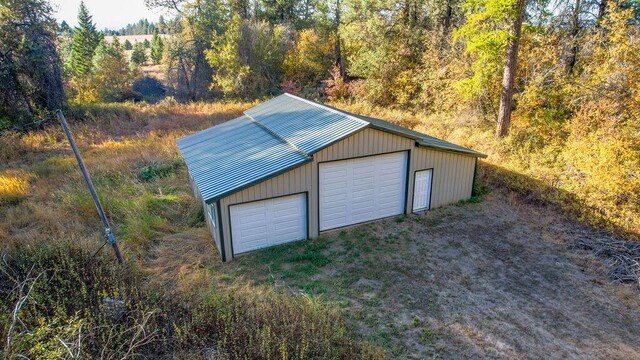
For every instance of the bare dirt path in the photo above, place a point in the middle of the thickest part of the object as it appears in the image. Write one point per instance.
(496, 279)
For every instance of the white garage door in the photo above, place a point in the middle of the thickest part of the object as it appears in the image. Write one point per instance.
(363, 189)
(269, 222)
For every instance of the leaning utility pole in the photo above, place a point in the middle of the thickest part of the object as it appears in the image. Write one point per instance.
(111, 239)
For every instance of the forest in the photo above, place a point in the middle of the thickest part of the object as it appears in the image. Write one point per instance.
(560, 78)
(549, 89)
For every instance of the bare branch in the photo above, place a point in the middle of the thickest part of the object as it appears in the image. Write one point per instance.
(28, 283)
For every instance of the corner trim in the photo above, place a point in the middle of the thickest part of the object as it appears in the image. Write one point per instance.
(475, 174)
(223, 253)
(407, 182)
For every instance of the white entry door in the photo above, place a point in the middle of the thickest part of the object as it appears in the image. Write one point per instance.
(264, 223)
(362, 189)
(422, 190)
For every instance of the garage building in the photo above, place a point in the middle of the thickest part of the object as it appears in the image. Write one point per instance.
(290, 168)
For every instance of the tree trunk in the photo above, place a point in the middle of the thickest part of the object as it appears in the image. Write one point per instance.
(241, 7)
(572, 56)
(510, 67)
(446, 25)
(338, 50)
(602, 10)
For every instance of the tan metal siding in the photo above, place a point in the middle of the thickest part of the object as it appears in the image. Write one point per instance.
(214, 230)
(452, 175)
(291, 182)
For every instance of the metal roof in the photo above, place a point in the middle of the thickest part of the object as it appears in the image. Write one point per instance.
(235, 155)
(274, 137)
(306, 125)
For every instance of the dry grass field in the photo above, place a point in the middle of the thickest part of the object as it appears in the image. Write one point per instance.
(134, 38)
(152, 70)
(496, 278)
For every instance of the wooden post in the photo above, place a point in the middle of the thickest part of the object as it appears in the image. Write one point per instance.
(111, 239)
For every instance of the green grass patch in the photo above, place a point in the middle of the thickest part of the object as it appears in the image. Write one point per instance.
(428, 336)
(195, 217)
(314, 287)
(296, 263)
(383, 338)
(310, 251)
(156, 169)
(400, 219)
(300, 270)
(54, 165)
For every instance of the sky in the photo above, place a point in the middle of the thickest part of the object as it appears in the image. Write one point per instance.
(112, 14)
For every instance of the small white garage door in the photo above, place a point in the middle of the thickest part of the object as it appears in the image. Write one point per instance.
(268, 222)
(362, 189)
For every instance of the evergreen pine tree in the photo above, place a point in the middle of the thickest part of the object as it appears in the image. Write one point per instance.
(85, 41)
(161, 27)
(64, 27)
(138, 56)
(157, 48)
(30, 67)
(127, 45)
(116, 43)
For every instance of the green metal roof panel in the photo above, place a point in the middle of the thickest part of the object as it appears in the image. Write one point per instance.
(306, 125)
(231, 156)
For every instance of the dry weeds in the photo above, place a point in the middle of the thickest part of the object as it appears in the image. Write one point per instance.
(39, 170)
(494, 279)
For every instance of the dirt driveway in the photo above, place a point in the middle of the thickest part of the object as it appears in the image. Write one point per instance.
(494, 279)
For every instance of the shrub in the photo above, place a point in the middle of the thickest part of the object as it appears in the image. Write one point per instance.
(309, 60)
(155, 169)
(248, 58)
(86, 305)
(109, 79)
(264, 324)
(70, 288)
(150, 88)
(336, 86)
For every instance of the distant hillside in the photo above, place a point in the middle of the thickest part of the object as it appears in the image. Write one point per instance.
(133, 39)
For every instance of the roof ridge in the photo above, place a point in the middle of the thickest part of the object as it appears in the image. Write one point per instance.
(324, 107)
(277, 136)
